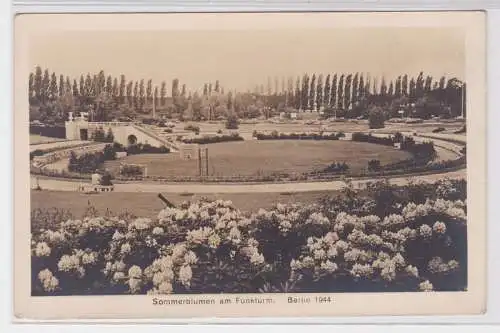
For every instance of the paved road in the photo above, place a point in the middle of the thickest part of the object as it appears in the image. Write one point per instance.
(64, 185)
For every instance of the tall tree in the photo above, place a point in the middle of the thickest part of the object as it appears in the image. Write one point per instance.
(312, 92)
(298, 94)
(361, 87)
(88, 85)
(175, 88)
(355, 92)
(37, 83)
(109, 85)
(375, 90)
(116, 88)
(413, 89)
(442, 82)
(397, 88)
(31, 86)
(428, 84)
(82, 86)
(404, 85)
(123, 84)
(340, 93)
(390, 92)
(67, 86)
(142, 94)
(333, 92)
(53, 87)
(149, 91)
(163, 92)
(61, 85)
(319, 92)
(305, 92)
(76, 93)
(383, 87)
(347, 92)
(136, 95)
(155, 96)
(419, 85)
(326, 98)
(101, 78)
(130, 96)
(45, 85)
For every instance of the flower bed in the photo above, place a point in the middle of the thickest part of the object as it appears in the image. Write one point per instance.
(392, 239)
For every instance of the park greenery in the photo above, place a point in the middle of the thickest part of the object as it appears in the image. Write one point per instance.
(379, 239)
(351, 95)
(91, 162)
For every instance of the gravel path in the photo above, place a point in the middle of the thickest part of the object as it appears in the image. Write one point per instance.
(65, 185)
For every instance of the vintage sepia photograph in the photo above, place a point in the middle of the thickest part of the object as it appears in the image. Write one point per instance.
(267, 154)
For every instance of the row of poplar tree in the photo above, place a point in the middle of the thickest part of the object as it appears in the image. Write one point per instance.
(346, 91)
(45, 87)
(309, 92)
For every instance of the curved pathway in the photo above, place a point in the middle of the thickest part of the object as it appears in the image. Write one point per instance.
(66, 185)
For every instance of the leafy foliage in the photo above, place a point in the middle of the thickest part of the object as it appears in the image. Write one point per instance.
(384, 238)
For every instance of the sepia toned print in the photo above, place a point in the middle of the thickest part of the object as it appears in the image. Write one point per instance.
(254, 160)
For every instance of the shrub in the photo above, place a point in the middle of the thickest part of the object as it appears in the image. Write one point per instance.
(337, 168)
(215, 139)
(168, 130)
(109, 136)
(376, 118)
(338, 244)
(232, 122)
(374, 165)
(192, 128)
(98, 135)
(106, 179)
(219, 131)
(131, 170)
(52, 131)
(36, 152)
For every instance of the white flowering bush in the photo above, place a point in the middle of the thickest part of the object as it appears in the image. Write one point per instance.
(354, 242)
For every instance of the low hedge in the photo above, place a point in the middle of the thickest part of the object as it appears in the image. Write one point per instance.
(214, 139)
(298, 136)
(51, 131)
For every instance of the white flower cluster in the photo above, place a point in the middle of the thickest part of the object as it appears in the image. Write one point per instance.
(134, 279)
(252, 253)
(42, 250)
(161, 274)
(48, 280)
(437, 265)
(454, 209)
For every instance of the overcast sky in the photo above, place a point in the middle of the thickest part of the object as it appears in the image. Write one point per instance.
(242, 59)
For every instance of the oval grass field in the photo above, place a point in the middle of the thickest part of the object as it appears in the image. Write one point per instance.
(254, 157)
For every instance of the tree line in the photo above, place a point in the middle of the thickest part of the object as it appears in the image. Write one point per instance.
(52, 96)
(351, 95)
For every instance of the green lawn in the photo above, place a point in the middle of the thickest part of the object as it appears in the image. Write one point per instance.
(38, 139)
(148, 204)
(264, 157)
